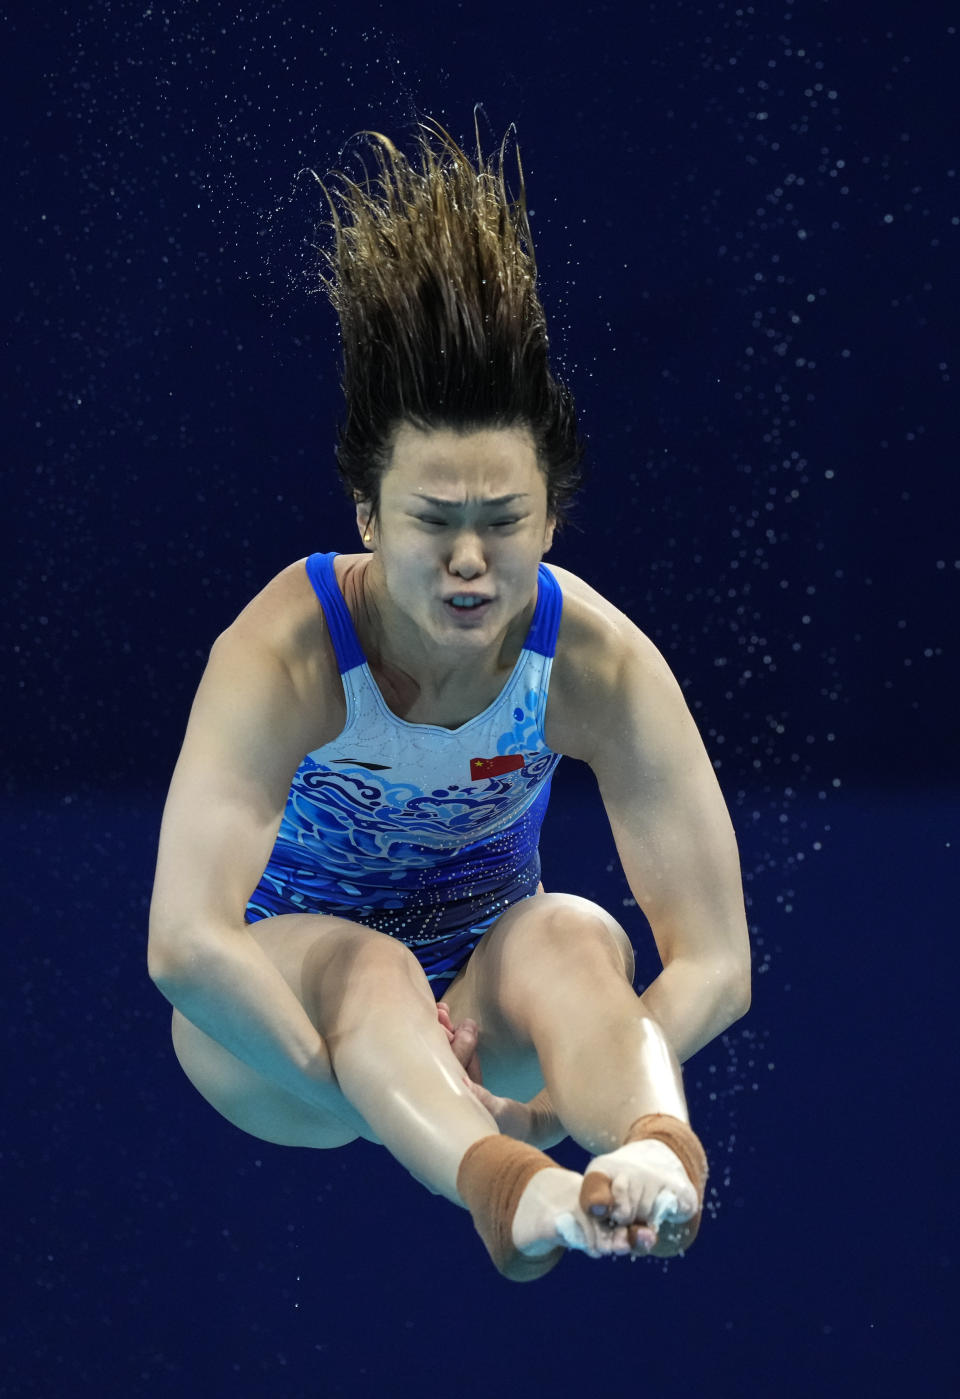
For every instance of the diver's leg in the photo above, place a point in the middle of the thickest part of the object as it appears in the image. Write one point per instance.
(551, 986)
(398, 1083)
(392, 1058)
(397, 1079)
(255, 1104)
(246, 1098)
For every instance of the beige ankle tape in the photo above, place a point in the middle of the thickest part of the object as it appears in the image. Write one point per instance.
(685, 1145)
(493, 1175)
(682, 1141)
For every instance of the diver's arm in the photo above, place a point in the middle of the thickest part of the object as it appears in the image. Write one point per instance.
(243, 743)
(676, 844)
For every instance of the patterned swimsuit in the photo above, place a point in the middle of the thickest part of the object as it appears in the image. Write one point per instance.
(424, 833)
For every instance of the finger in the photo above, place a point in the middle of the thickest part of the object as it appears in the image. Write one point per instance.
(466, 1034)
(482, 1095)
(464, 1042)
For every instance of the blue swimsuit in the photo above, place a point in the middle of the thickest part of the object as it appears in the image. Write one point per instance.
(422, 832)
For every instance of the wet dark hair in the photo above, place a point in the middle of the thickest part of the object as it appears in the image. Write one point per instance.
(433, 277)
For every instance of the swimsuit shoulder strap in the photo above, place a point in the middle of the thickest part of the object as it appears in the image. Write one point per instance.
(346, 643)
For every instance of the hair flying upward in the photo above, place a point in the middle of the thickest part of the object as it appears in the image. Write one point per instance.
(433, 277)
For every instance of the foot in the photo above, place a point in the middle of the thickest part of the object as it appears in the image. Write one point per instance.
(643, 1188)
(549, 1215)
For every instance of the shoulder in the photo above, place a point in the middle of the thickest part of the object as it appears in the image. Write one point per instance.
(605, 669)
(280, 608)
(285, 622)
(284, 617)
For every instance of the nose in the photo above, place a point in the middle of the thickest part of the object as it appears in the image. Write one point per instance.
(466, 555)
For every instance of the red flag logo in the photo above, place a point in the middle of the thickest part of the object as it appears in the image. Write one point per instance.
(495, 767)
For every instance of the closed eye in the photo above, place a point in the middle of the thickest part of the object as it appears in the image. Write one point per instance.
(495, 524)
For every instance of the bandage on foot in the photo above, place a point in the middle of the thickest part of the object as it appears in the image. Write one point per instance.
(493, 1175)
(672, 1235)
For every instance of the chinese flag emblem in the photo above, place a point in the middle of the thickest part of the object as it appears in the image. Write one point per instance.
(495, 767)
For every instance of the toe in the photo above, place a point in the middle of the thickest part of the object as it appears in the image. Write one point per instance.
(596, 1195)
(641, 1239)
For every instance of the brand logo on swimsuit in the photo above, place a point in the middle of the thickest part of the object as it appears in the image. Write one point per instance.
(358, 763)
(495, 767)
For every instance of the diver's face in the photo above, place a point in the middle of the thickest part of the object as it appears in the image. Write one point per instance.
(462, 528)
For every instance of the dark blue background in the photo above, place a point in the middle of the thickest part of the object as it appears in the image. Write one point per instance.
(747, 223)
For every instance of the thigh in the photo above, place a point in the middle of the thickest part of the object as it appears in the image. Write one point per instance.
(311, 951)
(535, 941)
(253, 1103)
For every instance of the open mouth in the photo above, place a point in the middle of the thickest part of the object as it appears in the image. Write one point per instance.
(464, 610)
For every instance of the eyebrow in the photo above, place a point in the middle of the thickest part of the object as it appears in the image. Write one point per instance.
(458, 505)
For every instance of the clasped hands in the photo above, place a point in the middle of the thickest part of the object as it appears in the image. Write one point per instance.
(513, 1119)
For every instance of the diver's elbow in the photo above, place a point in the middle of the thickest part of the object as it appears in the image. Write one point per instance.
(737, 994)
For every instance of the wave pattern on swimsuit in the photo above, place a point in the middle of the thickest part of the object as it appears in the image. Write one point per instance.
(386, 826)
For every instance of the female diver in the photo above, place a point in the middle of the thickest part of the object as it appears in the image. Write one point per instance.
(347, 915)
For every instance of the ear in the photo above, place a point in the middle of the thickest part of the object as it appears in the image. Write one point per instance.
(548, 534)
(363, 523)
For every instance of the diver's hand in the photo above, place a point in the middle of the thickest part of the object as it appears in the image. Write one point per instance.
(463, 1042)
(517, 1120)
(514, 1119)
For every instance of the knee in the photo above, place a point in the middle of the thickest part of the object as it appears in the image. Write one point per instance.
(579, 929)
(362, 970)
